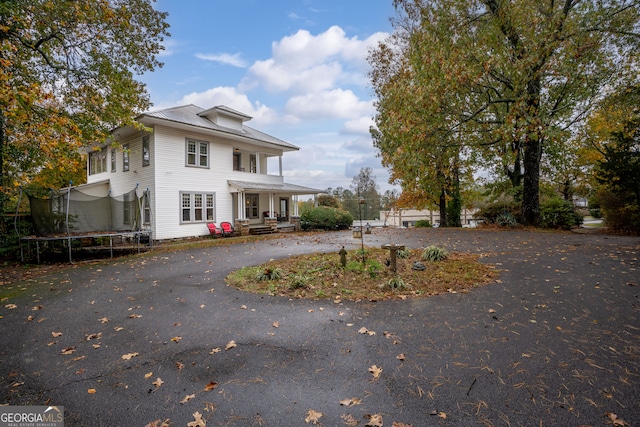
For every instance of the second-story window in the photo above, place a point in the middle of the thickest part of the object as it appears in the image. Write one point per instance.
(197, 153)
(146, 154)
(125, 157)
(253, 164)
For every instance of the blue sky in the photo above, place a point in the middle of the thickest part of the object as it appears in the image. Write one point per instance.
(298, 67)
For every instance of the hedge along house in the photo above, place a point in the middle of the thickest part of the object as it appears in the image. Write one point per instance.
(198, 166)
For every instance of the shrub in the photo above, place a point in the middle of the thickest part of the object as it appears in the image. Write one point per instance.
(298, 281)
(268, 273)
(396, 283)
(434, 253)
(620, 215)
(505, 219)
(326, 218)
(423, 223)
(373, 267)
(559, 213)
(403, 253)
(493, 212)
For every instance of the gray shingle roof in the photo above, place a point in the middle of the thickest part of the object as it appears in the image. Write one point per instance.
(190, 115)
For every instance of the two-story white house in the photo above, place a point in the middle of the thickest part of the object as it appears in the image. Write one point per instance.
(197, 166)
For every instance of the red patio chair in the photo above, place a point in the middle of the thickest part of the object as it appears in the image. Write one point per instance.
(214, 230)
(227, 228)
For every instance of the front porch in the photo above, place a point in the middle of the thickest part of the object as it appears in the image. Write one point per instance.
(263, 207)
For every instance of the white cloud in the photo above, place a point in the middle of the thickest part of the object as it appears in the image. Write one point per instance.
(336, 103)
(224, 58)
(231, 98)
(303, 62)
(359, 126)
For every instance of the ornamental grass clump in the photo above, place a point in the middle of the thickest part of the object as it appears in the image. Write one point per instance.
(268, 273)
(434, 253)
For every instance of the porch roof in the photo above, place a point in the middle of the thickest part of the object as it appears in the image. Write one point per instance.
(260, 187)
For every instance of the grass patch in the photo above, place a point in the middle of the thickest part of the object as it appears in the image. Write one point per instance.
(320, 276)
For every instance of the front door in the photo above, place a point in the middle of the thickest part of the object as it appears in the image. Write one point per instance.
(284, 209)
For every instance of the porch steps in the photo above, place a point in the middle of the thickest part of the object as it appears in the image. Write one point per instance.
(261, 230)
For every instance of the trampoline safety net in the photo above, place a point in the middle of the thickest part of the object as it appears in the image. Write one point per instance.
(72, 211)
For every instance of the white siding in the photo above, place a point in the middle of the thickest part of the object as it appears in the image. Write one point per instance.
(168, 176)
(173, 177)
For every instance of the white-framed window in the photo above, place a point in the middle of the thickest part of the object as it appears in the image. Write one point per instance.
(197, 153)
(114, 154)
(97, 162)
(125, 157)
(253, 163)
(146, 153)
(126, 210)
(197, 207)
(147, 209)
(251, 205)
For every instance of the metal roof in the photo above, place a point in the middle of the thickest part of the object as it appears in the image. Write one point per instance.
(191, 115)
(273, 188)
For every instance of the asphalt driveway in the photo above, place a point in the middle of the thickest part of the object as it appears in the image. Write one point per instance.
(159, 337)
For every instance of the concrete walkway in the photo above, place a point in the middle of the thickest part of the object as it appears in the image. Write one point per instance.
(554, 342)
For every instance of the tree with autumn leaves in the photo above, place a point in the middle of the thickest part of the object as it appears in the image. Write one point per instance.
(501, 86)
(67, 78)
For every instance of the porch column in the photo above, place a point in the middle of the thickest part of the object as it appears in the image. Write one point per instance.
(271, 206)
(295, 205)
(280, 164)
(257, 162)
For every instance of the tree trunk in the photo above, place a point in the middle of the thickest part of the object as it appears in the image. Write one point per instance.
(531, 182)
(3, 230)
(443, 208)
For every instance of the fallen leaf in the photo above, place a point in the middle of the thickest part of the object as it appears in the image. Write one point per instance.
(615, 421)
(396, 424)
(29, 319)
(159, 423)
(56, 334)
(91, 391)
(401, 356)
(176, 339)
(244, 307)
(215, 350)
(187, 398)
(276, 324)
(375, 420)
(128, 356)
(158, 382)
(68, 350)
(135, 316)
(36, 308)
(350, 402)
(348, 420)
(93, 336)
(313, 417)
(179, 365)
(103, 320)
(375, 371)
(148, 375)
(96, 346)
(10, 306)
(210, 386)
(118, 328)
(230, 345)
(198, 421)
(442, 415)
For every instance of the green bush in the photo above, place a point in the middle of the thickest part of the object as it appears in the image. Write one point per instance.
(434, 253)
(373, 267)
(556, 212)
(396, 283)
(268, 273)
(494, 213)
(620, 215)
(326, 218)
(423, 223)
